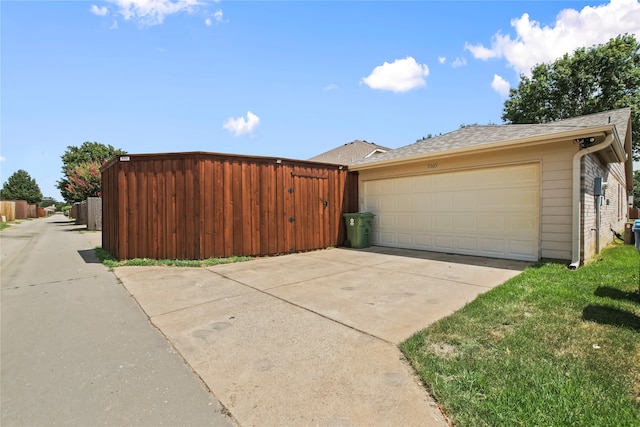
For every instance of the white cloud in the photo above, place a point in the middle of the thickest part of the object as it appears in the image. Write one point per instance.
(100, 11)
(442, 59)
(114, 26)
(401, 75)
(331, 86)
(2, 158)
(500, 85)
(218, 16)
(535, 43)
(153, 12)
(240, 126)
(459, 62)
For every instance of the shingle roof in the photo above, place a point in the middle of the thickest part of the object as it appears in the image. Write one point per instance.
(477, 136)
(350, 153)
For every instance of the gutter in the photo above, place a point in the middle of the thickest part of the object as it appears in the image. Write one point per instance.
(576, 204)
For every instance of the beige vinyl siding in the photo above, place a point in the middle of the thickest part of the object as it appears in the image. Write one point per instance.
(556, 210)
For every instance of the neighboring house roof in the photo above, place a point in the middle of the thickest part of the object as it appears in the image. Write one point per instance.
(478, 136)
(350, 153)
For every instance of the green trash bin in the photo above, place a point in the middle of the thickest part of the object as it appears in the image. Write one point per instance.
(358, 229)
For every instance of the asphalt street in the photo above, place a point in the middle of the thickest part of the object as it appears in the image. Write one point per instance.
(76, 349)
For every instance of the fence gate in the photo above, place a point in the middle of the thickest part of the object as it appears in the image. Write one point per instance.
(310, 203)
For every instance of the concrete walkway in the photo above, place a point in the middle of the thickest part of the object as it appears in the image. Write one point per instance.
(77, 350)
(311, 338)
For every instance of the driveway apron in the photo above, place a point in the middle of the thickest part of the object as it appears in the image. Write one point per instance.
(311, 338)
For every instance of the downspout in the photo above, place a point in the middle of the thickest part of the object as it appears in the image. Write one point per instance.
(576, 204)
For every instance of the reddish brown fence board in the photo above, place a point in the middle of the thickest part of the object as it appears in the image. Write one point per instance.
(32, 210)
(202, 205)
(22, 209)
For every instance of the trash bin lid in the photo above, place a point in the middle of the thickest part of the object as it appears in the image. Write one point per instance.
(636, 225)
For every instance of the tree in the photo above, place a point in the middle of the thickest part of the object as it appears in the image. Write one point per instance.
(591, 80)
(47, 201)
(636, 189)
(20, 186)
(85, 181)
(76, 185)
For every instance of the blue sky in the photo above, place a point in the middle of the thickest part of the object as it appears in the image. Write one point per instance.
(288, 78)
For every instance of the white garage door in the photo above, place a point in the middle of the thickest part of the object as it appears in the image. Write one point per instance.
(490, 212)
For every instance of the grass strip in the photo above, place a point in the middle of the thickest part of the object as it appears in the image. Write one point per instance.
(550, 347)
(108, 260)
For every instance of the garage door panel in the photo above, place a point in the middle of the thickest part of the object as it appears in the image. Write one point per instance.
(387, 238)
(387, 187)
(442, 202)
(526, 224)
(423, 241)
(405, 221)
(496, 247)
(491, 212)
(525, 248)
(443, 222)
(522, 199)
(444, 243)
(387, 203)
(490, 200)
(422, 203)
(442, 183)
(462, 200)
(404, 203)
(487, 224)
(405, 238)
(465, 223)
(422, 222)
(467, 243)
(386, 221)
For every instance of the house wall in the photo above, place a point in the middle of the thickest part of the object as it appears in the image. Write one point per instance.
(202, 205)
(613, 206)
(555, 186)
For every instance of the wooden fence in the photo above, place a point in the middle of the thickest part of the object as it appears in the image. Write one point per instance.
(202, 205)
(88, 212)
(22, 209)
(8, 210)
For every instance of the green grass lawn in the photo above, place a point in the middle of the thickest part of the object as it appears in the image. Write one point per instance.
(550, 347)
(108, 260)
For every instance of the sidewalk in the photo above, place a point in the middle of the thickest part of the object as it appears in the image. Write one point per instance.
(77, 350)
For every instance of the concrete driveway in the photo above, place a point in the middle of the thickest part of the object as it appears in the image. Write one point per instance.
(311, 338)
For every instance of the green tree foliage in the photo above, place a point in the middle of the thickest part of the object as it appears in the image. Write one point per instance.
(20, 186)
(636, 188)
(592, 80)
(84, 180)
(76, 185)
(47, 201)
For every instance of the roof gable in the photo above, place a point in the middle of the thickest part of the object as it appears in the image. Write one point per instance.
(350, 153)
